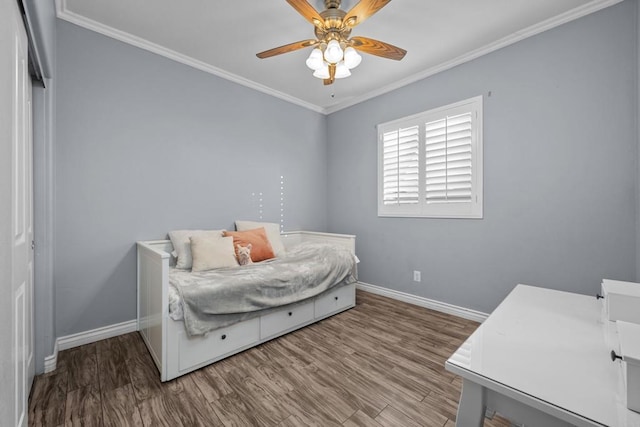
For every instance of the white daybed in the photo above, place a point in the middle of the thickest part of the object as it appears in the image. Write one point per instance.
(175, 353)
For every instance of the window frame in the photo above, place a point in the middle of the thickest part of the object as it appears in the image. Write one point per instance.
(422, 209)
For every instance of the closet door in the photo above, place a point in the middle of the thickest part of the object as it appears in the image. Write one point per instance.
(16, 147)
(22, 228)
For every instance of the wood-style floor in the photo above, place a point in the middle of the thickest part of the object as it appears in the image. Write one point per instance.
(378, 364)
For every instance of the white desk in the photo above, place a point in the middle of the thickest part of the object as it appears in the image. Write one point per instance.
(543, 359)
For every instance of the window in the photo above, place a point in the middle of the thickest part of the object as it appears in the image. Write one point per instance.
(430, 164)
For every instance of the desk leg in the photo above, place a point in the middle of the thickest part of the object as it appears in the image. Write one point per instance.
(472, 405)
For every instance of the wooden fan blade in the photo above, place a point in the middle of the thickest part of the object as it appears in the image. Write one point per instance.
(378, 48)
(362, 10)
(286, 48)
(308, 12)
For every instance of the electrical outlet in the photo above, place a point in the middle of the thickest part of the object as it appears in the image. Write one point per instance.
(416, 276)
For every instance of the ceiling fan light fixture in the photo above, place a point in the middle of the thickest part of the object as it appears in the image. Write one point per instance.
(351, 58)
(333, 53)
(315, 60)
(322, 73)
(342, 70)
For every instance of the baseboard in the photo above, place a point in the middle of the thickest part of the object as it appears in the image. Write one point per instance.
(51, 360)
(465, 313)
(87, 337)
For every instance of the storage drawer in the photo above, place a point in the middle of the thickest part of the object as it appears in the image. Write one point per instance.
(336, 300)
(283, 320)
(218, 343)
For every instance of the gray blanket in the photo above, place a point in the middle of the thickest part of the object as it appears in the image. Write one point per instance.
(217, 298)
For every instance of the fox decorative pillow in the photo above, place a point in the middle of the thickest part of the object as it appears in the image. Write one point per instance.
(244, 254)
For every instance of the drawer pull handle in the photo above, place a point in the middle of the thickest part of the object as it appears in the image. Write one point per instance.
(336, 298)
(614, 356)
(224, 336)
(290, 313)
(598, 296)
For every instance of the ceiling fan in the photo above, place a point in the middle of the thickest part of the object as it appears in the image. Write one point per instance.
(335, 52)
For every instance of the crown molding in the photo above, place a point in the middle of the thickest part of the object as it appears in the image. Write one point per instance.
(556, 21)
(63, 13)
(586, 9)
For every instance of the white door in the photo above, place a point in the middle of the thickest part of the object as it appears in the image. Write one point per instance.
(15, 81)
(22, 190)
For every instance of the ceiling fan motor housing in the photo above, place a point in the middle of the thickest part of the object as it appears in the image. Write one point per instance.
(333, 26)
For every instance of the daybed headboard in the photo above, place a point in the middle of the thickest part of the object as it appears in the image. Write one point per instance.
(162, 246)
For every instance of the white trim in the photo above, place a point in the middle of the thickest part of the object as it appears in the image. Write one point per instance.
(87, 337)
(443, 307)
(62, 12)
(65, 14)
(51, 361)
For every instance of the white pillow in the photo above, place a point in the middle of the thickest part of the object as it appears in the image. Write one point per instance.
(182, 244)
(273, 234)
(212, 252)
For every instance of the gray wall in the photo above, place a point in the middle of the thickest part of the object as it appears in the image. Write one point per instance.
(145, 145)
(560, 170)
(561, 184)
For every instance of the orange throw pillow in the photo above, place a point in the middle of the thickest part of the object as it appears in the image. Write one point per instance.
(260, 246)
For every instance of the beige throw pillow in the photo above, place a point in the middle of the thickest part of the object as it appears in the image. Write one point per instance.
(273, 234)
(212, 252)
(182, 244)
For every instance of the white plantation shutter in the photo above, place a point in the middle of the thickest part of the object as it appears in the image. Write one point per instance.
(430, 164)
(448, 159)
(401, 166)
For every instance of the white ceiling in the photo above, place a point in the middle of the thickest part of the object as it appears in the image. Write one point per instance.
(222, 37)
